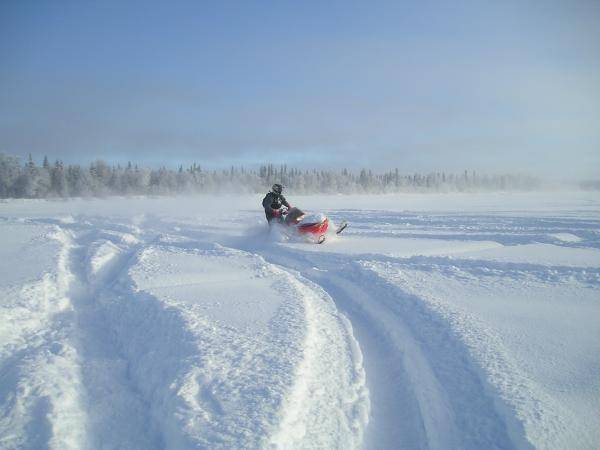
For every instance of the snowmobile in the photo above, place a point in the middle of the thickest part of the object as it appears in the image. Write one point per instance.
(314, 226)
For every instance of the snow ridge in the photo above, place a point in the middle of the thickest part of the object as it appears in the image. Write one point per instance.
(41, 381)
(329, 392)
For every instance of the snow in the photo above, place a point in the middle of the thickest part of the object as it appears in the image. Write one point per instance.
(566, 237)
(313, 218)
(398, 247)
(434, 321)
(542, 254)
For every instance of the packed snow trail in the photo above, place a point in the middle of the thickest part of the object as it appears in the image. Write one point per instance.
(72, 387)
(40, 395)
(437, 399)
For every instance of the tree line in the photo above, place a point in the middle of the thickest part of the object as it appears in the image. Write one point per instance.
(29, 180)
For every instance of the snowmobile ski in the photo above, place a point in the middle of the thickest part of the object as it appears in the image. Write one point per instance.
(341, 228)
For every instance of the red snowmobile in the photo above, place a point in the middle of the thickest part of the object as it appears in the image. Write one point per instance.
(313, 226)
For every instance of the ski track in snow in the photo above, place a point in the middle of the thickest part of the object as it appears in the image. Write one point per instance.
(154, 332)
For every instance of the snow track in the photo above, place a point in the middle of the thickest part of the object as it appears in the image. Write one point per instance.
(328, 406)
(158, 342)
(462, 379)
(264, 356)
(41, 378)
(437, 399)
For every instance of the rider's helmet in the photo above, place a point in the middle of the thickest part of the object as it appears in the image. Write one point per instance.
(277, 188)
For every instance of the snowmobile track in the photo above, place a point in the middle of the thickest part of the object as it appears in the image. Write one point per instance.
(420, 378)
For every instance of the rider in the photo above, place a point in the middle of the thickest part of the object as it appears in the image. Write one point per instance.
(273, 202)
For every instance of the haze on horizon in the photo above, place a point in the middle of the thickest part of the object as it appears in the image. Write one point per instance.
(434, 85)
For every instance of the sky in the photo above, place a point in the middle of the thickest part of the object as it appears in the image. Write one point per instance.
(419, 85)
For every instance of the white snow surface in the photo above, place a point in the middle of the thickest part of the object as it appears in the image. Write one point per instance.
(433, 322)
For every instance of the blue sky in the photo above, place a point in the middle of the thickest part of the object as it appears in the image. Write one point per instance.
(491, 86)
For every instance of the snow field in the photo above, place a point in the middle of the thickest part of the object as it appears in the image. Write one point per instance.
(184, 324)
(511, 350)
(511, 343)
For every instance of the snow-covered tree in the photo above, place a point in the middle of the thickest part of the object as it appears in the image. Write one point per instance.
(30, 181)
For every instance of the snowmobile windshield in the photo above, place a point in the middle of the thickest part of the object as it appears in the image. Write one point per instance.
(294, 215)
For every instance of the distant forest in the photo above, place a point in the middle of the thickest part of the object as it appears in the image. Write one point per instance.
(29, 180)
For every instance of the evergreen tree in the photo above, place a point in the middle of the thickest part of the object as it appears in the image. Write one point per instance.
(30, 181)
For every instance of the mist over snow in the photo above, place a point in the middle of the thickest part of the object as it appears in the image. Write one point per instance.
(99, 179)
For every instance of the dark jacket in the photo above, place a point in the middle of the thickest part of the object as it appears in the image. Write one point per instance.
(272, 202)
